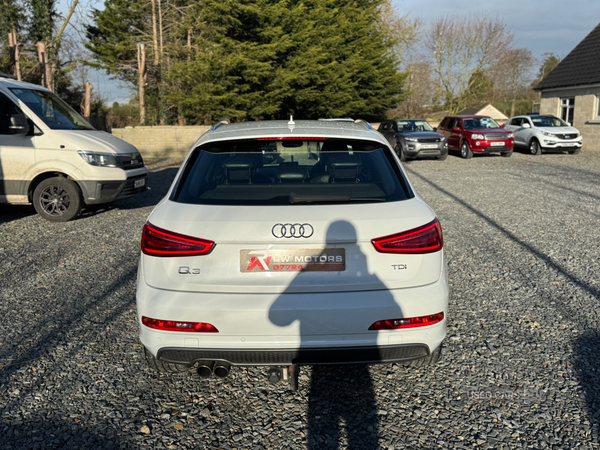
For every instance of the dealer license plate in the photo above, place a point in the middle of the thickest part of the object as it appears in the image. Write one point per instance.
(568, 144)
(139, 183)
(430, 146)
(293, 260)
(497, 144)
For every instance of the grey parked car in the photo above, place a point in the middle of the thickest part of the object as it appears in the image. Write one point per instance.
(413, 139)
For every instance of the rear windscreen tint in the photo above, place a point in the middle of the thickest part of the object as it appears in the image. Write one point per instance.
(291, 171)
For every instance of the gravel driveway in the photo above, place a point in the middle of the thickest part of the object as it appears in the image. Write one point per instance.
(519, 368)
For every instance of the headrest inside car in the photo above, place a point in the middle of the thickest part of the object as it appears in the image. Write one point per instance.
(344, 168)
(240, 162)
(292, 174)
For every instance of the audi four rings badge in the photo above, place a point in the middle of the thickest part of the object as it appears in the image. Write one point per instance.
(290, 230)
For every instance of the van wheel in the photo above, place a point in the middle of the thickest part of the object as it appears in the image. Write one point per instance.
(57, 199)
(164, 367)
(465, 150)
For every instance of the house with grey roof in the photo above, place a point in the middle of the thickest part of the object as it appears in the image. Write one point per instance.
(572, 90)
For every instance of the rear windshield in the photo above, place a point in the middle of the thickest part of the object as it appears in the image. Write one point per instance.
(291, 171)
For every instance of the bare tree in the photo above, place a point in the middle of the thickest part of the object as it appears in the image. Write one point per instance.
(155, 33)
(460, 47)
(402, 29)
(421, 87)
(13, 44)
(518, 64)
(142, 77)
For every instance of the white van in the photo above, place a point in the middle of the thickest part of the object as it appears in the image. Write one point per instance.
(52, 158)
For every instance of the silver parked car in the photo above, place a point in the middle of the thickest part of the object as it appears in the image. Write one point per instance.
(539, 133)
(413, 139)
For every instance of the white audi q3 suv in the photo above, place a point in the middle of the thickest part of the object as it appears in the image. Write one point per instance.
(284, 244)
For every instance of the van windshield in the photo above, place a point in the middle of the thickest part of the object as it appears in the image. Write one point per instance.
(291, 171)
(51, 110)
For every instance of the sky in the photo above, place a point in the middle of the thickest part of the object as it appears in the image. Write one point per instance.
(542, 26)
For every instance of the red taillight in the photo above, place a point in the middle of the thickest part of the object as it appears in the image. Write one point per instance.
(159, 242)
(409, 322)
(172, 325)
(425, 239)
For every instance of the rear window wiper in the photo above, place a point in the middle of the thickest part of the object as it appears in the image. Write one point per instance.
(295, 198)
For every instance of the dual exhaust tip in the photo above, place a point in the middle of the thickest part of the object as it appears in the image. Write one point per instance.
(217, 368)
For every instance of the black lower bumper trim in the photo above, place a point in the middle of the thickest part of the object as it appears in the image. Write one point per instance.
(337, 355)
(108, 191)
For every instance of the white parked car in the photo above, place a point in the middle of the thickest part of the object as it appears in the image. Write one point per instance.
(285, 244)
(539, 133)
(52, 158)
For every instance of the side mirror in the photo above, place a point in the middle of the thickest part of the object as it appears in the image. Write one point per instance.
(435, 129)
(569, 123)
(19, 125)
(526, 125)
(503, 125)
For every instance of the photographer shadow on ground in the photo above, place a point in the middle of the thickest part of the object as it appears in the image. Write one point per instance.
(341, 397)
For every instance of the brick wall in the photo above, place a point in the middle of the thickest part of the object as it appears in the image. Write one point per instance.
(585, 117)
(161, 141)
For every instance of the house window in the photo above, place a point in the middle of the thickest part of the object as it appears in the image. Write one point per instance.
(597, 107)
(567, 107)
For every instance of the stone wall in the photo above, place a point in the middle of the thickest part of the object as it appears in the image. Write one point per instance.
(585, 115)
(161, 141)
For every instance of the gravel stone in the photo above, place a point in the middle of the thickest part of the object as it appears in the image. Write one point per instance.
(519, 370)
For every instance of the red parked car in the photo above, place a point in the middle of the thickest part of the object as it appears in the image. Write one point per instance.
(476, 134)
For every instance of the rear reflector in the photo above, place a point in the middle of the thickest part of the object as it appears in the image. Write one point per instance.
(425, 239)
(171, 325)
(409, 322)
(163, 243)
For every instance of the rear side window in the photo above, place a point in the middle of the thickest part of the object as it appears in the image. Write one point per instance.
(517, 122)
(291, 171)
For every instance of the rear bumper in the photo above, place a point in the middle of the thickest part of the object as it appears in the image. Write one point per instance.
(286, 357)
(283, 329)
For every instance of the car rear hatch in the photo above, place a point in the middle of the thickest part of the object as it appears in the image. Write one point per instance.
(327, 248)
(291, 215)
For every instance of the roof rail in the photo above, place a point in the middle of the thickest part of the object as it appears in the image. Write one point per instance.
(6, 75)
(350, 120)
(338, 119)
(219, 123)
